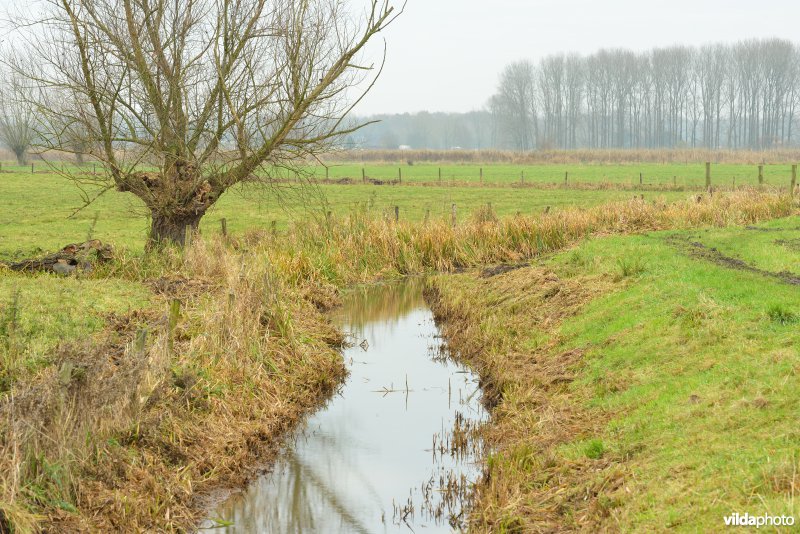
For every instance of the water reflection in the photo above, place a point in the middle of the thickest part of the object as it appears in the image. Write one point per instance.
(393, 451)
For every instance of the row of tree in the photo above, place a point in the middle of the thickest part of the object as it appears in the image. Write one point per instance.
(743, 95)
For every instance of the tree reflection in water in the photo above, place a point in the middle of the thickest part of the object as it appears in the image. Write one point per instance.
(394, 450)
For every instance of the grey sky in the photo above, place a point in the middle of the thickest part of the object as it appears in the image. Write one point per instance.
(445, 55)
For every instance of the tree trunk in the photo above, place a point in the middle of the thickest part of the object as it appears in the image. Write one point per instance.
(21, 157)
(172, 228)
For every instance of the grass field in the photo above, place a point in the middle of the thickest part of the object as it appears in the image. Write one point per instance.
(149, 427)
(38, 208)
(689, 174)
(647, 382)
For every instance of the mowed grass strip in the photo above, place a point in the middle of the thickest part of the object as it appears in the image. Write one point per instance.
(642, 388)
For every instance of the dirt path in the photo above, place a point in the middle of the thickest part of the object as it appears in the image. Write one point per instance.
(698, 250)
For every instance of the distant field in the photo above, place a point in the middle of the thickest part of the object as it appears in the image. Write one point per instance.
(37, 208)
(690, 174)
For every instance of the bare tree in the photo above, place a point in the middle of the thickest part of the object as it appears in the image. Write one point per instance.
(514, 106)
(210, 93)
(16, 120)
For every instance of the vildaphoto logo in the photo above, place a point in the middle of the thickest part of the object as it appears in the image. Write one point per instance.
(746, 520)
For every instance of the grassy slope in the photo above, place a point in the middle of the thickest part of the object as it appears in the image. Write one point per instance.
(685, 364)
(38, 311)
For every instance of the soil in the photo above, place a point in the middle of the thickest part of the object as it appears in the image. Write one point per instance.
(698, 250)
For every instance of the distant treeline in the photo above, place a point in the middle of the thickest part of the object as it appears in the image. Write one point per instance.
(434, 131)
(743, 95)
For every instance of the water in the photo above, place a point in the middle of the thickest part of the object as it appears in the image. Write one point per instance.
(395, 451)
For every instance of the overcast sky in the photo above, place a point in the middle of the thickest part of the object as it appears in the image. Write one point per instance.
(445, 55)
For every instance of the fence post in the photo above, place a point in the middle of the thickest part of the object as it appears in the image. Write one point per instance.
(397, 214)
(708, 174)
(224, 225)
(141, 341)
(327, 173)
(400, 175)
(174, 315)
(640, 178)
(566, 177)
(760, 175)
(274, 228)
(363, 175)
(187, 235)
(453, 215)
(794, 180)
(522, 177)
(481, 174)
(440, 175)
(674, 181)
(427, 215)
(31, 167)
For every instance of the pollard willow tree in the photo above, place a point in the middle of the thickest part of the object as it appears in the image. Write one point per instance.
(16, 120)
(183, 99)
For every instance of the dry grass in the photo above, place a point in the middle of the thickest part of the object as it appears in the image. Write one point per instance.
(533, 408)
(128, 438)
(120, 436)
(582, 156)
(358, 248)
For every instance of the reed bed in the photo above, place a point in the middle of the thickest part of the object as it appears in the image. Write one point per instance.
(360, 248)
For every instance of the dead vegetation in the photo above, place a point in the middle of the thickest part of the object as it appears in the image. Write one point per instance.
(127, 430)
(534, 410)
(71, 258)
(123, 433)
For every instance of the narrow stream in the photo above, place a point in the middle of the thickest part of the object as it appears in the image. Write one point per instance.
(393, 451)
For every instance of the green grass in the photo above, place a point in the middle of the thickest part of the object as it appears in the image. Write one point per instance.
(708, 411)
(652, 173)
(38, 213)
(39, 311)
(694, 363)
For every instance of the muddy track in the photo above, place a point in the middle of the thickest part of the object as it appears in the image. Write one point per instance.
(698, 250)
(791, 244)
(759, 229)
